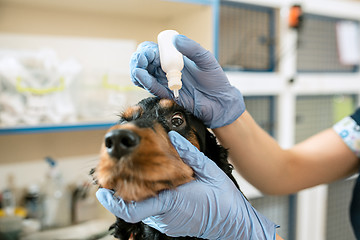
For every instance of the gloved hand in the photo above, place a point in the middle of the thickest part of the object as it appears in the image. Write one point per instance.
(206, 91)
(209, 207)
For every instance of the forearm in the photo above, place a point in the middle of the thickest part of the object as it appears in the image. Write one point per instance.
(260, 159)
(253, 152)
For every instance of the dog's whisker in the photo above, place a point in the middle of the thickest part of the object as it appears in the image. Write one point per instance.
(93, 159)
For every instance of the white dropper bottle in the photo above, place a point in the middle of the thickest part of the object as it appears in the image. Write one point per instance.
(171, 60)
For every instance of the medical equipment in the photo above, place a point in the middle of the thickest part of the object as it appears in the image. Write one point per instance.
(171, 60)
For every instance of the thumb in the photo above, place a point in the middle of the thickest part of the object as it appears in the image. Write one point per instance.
(203, 58)
(202, 165)
(131, 212)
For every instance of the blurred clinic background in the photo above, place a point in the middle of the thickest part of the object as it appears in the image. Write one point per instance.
(64, 77)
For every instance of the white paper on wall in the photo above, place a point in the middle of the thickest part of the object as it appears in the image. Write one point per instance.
(348, 40)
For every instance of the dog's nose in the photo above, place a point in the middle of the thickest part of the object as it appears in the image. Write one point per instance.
(120, 142)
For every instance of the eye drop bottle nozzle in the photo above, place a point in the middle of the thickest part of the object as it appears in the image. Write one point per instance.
(171, 60)
(176, 93)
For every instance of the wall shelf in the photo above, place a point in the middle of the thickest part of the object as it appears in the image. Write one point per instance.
(51, 128)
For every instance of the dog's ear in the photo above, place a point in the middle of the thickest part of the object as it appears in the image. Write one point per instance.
(124, 231)
(219, 155)
(216, 152)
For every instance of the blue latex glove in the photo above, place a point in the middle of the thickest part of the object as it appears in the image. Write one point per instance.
(206, 91)
(209, 207)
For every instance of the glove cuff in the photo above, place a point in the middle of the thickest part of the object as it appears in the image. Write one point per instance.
(232, 106)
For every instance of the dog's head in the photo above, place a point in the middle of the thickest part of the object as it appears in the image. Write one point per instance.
(137, 157)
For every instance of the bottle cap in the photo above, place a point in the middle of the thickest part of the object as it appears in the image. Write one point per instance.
(174, 80)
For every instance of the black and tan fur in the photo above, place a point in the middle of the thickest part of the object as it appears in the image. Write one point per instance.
(138, 160)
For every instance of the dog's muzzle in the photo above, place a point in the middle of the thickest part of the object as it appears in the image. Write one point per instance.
(138, 162)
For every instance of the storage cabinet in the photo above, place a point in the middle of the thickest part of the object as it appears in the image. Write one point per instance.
(100, 36)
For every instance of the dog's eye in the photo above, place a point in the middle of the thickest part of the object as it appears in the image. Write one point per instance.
(177, 120)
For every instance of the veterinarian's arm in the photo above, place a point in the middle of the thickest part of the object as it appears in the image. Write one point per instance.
(208, 94)
(259, 158)
(209, 207)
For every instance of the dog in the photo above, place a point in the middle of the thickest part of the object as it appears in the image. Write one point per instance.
(137, 159)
